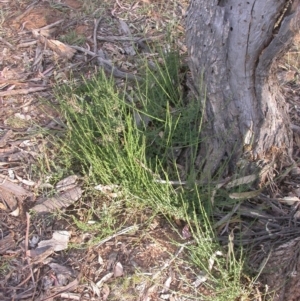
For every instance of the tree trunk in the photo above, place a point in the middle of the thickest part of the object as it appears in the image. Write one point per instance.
(234, 47)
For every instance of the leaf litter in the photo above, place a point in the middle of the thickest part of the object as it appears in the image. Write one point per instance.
(34, 60)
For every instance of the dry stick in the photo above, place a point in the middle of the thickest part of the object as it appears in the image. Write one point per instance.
(71, 296)
(128, 39)
(22, 91)
(25, 104)
(10, 81)
(122, 7)
(117, 39)
(23, 282)
(35, 287)
(27, 232)
(95, 34)
(26, 245)
(51, 25)
(7, 44)
(23, 45)
(70, 286)
(108, 66)
(5, 178)
(134, 227)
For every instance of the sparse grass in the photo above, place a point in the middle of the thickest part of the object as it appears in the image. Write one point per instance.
(4, 266)
(128, 139)
(94, 7)
(73, 38)
(17, 122)
(58, 6)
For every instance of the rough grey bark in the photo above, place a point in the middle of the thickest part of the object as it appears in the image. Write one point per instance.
(234, 47)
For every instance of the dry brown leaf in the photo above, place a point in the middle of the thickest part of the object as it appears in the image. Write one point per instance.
(289, 200)
(104, 279)
(40, 254)
(8, 200)
(66, 183)
(61, 201)
(245, 195)
(201, 278)
(5, 137)
(241, 181)
(118, 270)
(58, 242)
(7, 243)
(61, 49)
(167, 285)
(16, 212)
(95, 288)
(61, 269)
(11, 193)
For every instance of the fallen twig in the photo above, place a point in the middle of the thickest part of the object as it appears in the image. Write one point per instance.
(22, 91)
(51, 25)
(7, 44)
(134, 227)
(26, 246)
(23, 45)
(128, 39)
(61, 289)
(95, 34)
(27, 232)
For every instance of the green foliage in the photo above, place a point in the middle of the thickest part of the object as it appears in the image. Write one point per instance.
(130, 143)
(103, 140)
(170, 122)
(73, 38)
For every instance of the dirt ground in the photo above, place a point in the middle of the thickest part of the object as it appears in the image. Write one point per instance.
(45, 44)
